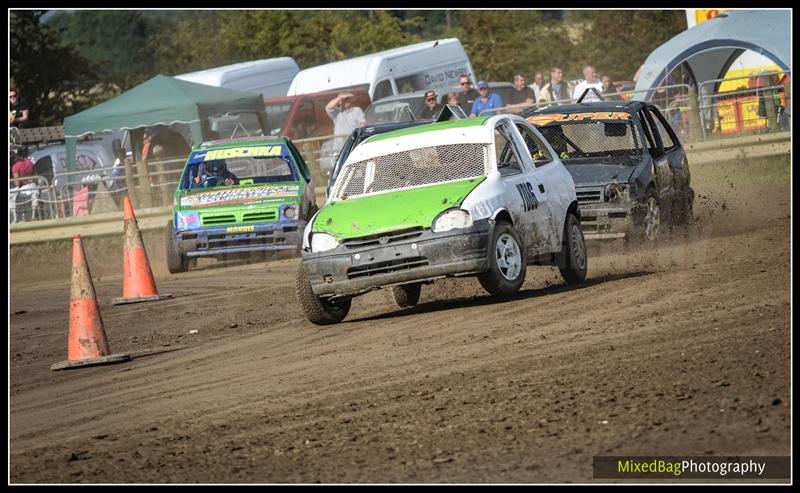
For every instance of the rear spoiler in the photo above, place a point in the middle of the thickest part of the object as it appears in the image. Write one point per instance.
(600, 96)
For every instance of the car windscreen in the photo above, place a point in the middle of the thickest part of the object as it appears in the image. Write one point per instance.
(589, 140)
(415, 167)
(238, 166)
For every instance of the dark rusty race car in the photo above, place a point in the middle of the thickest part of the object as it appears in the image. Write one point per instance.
(630, 170)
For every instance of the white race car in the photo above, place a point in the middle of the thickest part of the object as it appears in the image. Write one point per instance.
(483, 196)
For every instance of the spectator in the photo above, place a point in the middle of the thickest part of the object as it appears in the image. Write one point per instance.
(21, 168)
(537, 86)
(19, 111)
(557, 90)
(345, 116)
(468, 94)
(431, 108)
(522, 94)
(589, 80)
(609, 90)
(452, 98)
(486, 100)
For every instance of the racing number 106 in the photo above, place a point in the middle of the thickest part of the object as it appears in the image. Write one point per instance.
(528, 197)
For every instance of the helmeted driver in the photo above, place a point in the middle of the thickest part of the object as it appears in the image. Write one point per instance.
(213, 173)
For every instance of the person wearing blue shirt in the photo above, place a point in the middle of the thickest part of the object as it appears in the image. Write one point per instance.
(486, 100)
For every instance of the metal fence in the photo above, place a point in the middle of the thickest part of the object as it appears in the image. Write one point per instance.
(702, 114)
(86, 192)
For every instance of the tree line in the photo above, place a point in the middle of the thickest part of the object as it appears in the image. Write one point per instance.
(78, 59)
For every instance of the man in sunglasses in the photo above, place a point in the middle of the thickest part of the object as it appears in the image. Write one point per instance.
(18, 110)
(431, 108)
(467, 95)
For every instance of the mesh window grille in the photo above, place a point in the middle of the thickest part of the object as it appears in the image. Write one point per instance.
(412, 168)
(595, 139)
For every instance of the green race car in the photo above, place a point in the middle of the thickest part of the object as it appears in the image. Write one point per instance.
(239, 196)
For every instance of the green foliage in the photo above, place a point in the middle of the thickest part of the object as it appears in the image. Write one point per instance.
(60, 66)
(617, 42)
(56, 80)
(115, 41)
(501, 43)
(310, 37)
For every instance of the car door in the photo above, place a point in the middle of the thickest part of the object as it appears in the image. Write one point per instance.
(555, 185)
(526, 202)
(662, 171)
(673, 150)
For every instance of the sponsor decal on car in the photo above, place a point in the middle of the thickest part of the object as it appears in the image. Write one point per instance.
(238, 196)
(541, 120)
(252, 151)
(241, 229)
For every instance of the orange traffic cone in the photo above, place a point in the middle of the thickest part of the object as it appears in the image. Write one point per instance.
(137, 278)
(86, 344)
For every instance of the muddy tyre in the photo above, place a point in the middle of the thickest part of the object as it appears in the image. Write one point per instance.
(507, 262)
(572, 260)
(176, 262)
(318, 310)
(652, 227)
(407, 294)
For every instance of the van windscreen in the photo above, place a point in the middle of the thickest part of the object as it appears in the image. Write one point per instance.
(277, 116)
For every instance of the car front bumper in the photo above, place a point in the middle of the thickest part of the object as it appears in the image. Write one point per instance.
(608, 221)
(355, 267)
(221, 241)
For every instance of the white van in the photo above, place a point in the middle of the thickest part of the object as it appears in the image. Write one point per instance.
(430, 65)
(270, 77)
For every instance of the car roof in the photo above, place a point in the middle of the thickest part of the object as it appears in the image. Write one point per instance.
(223, 143)
(630, 106)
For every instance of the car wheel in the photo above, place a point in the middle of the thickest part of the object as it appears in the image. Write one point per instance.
(319, 311)
(176, 262)
(507, 262)
(573, 261)
(407, 294)
(651, 226)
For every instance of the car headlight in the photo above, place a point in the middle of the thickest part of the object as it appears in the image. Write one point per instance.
(321, 242)
(451, 219)
(616, 192)
(290, 212)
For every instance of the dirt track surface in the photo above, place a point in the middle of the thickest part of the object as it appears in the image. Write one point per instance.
(676, 350)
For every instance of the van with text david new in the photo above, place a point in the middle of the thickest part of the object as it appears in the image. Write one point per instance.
(269, 77)
(433, 65)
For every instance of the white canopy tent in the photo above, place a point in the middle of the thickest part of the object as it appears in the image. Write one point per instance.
(709, 49)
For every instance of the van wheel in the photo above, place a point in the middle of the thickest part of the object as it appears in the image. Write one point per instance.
(507, 262)
(319, 311)
(572, 259)
(176, 262)
(407, 294)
